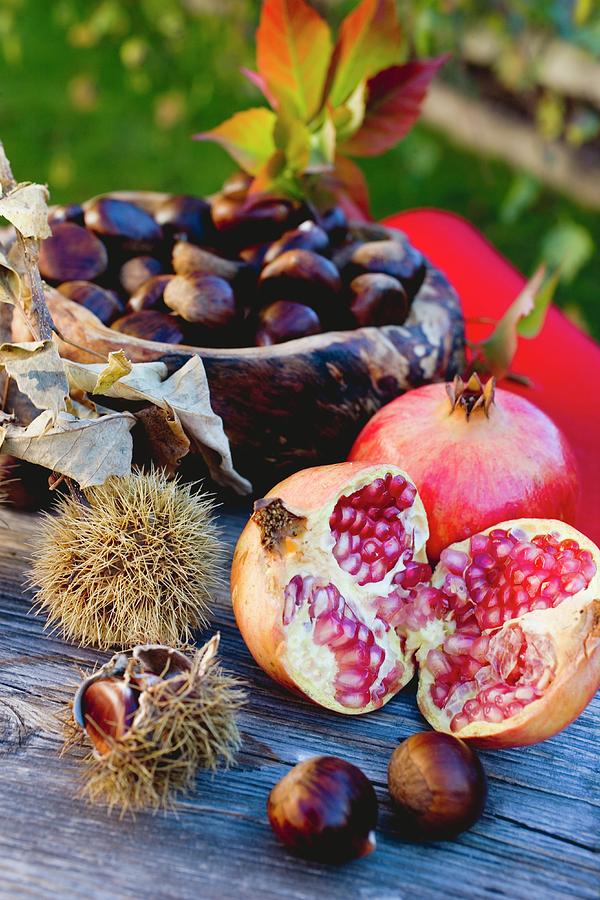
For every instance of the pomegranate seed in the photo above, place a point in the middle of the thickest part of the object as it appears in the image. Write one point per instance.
(459, 722)
(353, 699)
(492, 713)
(438, 663)
(327, 628)
(572, 584)
(455, 561)
(355, 678)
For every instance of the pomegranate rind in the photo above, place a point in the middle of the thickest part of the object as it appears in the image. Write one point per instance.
(574, 626)
(472, 473)
(260, 575)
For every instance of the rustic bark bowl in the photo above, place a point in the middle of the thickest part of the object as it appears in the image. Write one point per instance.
(300, 403)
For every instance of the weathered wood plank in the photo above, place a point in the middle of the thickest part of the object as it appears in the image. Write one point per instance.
(538, 837)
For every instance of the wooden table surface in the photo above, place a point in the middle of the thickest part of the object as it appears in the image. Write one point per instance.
(538, 838)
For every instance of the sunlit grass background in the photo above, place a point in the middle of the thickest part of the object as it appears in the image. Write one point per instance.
(104, 94)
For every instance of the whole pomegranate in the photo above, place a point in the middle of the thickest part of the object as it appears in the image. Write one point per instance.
(316, 559)
(334, 599)
(477, 454)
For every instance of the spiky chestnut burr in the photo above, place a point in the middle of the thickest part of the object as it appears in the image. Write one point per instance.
(154, 716)
(138, 561)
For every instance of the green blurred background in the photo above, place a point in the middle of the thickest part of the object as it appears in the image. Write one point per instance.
(104, 94)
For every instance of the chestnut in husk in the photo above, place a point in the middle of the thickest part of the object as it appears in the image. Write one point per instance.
(325, 809)
(154, 716)
(438, 785)
(284, 321)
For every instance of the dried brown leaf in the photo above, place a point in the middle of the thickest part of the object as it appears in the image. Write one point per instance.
(87, 450)
(185, 394)
(38, 371)
(25, 207)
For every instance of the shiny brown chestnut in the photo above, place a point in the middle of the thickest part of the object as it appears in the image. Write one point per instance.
(307, 236)
(188, 259)
(104, 304)
(182, 214)
(124, 223)
(303, 276)
(71, 253)
(237, 185)
(23, 485)
(150, 294)
(285, 320)
(137, 271)
(201, 299)
(389, 257)
(69, 212)
(335, 223)
(438, 785)
(253, 220)
(378, 300)
(150, 325)
(109, 706)
(325, 809)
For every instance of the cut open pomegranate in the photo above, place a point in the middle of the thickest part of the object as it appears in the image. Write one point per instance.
(311, 576)
(334, 598)
(518, 655)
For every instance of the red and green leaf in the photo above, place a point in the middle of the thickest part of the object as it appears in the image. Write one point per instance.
(525, 317)
(259, 82)
(247, 137)
(393, 106)
(369, 40)
(293, 50)
(352, 189)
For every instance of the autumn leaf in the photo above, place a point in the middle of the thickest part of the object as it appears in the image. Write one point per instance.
(87, 450)
(10, 282)
(349, 116)
(259, 82)
(26, 208)
(370, 39)
(38, 371)
(186, 395)
(293, 47)
(118, 366)
(352, 189)
(247, 137)
(393, 106)
(524, 317)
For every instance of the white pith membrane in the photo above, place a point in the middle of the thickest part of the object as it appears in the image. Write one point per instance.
(363, 546)
(508, 600)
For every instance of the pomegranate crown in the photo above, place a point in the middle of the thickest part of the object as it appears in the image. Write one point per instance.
(472, 394)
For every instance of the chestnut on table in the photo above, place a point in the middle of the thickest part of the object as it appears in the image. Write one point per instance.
(537, 838)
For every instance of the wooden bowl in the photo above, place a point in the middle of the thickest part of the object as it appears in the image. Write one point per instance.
(300, 403)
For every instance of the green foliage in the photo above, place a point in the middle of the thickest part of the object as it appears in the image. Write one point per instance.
(99, 95)
(330, 97)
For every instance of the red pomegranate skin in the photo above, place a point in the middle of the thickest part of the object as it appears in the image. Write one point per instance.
(472, 473)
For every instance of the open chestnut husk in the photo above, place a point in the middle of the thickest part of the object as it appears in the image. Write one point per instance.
(325, 809)
(438, 785)
(153, 717)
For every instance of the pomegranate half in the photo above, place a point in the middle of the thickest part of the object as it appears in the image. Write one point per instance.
(517, 654)
(311, 574)
(477, 454)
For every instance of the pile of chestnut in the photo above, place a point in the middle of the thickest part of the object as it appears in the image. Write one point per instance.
(326, 808)
(238, 270)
